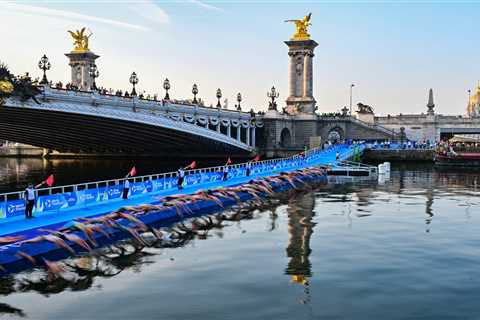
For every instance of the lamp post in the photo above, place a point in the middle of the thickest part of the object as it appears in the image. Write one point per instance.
(239, 99)
(351, 93)
(166, 86)
(44, 65)
(133, 81)
(219, 95)
(94, 73)
(273, 94)
(195, 92)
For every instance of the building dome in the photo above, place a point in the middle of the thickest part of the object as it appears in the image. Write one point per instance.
(473, 107)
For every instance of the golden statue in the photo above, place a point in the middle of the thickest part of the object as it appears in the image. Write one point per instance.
(302, 28)
(80, 40)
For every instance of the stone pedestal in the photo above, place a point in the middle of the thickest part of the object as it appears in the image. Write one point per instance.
(366, 117)
(81, 62)
(300, 77)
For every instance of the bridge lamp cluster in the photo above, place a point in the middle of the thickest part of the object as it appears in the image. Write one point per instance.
(94, 73)
(44, 65)
(239, 99)
(166, 86)
(219, 95)
(195, 92)
(133, 81)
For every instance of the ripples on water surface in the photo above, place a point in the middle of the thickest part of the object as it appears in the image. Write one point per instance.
(407, 249)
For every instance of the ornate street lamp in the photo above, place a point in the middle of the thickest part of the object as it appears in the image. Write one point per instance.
(273, 94)
(351, 92)
(94, 73)
(239, 99)
(133, 81)
(195, 92)
(44, 65)
(166, 86)
(219, 95)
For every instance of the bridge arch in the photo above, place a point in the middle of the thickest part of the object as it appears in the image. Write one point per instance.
(285, 138)
(335, 134)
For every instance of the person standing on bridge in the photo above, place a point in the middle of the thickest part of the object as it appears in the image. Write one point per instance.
(29, 195)
(126, 188)
(126, 183)
(180, 178)
(226, 169)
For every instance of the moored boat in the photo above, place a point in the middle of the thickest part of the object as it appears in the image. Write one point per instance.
(459, 152)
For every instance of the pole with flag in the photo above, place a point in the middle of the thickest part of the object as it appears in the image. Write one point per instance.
(132, 172)
(192, 165)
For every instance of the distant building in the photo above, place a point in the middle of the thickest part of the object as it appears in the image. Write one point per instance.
(473, 107)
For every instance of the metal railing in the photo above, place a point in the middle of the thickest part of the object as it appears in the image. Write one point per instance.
(375, 126)
(263, 166)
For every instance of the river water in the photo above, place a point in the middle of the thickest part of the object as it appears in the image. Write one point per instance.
(404, 249)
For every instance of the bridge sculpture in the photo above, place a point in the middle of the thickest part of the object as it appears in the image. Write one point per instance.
(80, 121)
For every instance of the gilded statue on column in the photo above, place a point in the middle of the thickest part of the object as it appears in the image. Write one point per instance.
(301, 26)
(80, 40)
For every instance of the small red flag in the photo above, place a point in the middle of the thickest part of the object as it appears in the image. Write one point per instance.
(133, 171)
(257, 158)
(229, 161)
(50, 180)
(192, 165)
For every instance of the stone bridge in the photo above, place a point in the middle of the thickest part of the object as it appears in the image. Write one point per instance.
(86, 122)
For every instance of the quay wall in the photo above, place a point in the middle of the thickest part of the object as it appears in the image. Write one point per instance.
(22, 152)
(398, 155)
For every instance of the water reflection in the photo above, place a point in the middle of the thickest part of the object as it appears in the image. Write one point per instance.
(300, 229)
(386, 221)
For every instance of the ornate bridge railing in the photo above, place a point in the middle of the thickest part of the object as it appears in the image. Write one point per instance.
(217, 121)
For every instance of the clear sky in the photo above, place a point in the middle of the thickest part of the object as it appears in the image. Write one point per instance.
(392, 51)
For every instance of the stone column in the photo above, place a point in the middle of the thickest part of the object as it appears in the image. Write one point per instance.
(248, 135)
(307, 75)
(253, 137)
(239, 132)
(229, 130)
(218, 126)
(291, 76)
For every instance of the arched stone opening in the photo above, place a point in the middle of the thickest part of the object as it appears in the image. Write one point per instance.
(335, 135)
(285, 138)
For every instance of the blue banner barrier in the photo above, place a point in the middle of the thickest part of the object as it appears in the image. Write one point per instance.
(66, 200)
(14, 208)
(50, 202)
(87, 196)
(114, 192)
(137, 188)
(2, 210)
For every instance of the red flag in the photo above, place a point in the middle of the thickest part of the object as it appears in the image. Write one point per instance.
(257, 158)
(192, 165)
(50, 180)
(133, 171)
(229, 161)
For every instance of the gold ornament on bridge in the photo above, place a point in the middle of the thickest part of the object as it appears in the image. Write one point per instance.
(80, 40)
(301, 26)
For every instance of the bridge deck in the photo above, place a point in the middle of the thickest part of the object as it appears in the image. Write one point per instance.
(19, 224)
